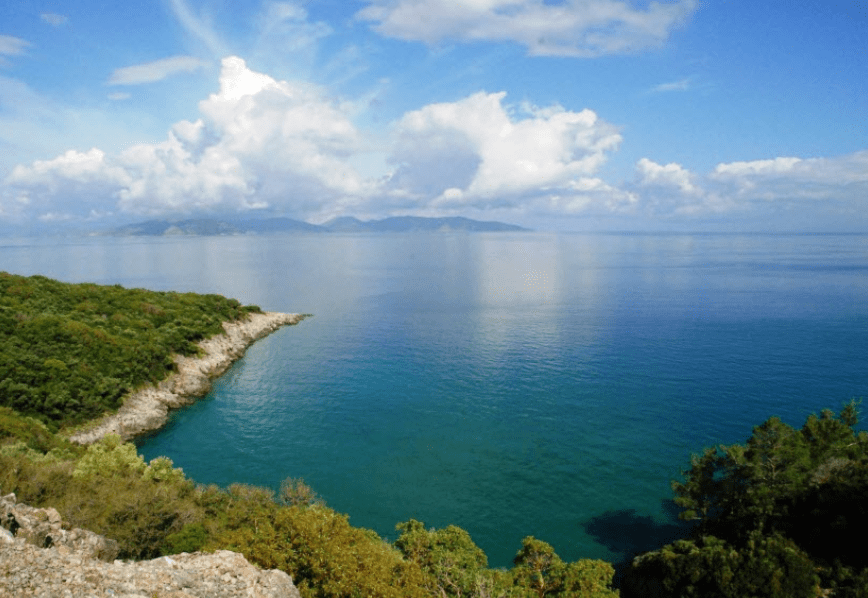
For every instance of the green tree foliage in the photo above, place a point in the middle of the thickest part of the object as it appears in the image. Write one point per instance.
(70, 352)
(771, 514)
(31, 433)
(732, 490)
(294, 491)
(453, 565)
(768, 566)
(540, 572)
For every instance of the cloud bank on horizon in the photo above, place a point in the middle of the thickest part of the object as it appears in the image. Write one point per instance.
(571, 115)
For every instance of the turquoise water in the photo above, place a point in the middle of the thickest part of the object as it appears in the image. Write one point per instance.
(512, 384)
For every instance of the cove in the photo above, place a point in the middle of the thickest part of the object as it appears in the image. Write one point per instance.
(512, 384)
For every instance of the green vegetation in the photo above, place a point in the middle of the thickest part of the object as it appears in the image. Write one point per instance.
(782, 515)
(70, 352)
(779, 516)
(153, 509)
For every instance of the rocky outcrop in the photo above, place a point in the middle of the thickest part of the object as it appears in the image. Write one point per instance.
(147, 409)
(39, 559)
(43, 528)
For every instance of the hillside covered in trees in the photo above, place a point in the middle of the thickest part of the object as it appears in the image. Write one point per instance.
(69, 352)
(780, 515)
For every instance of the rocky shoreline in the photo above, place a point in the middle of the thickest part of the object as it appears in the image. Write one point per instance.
(147, 409)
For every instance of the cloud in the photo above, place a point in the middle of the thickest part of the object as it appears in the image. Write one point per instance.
(476, 153)
(680, 85)
(669, 175)
(84, 180)
(198, 27)
(787, 179)
(72, 166)
(667, 190)
(288, 147)
(776, 166)
(158, 70)
(284, 27)
(54, 19)
(259, 143)
(762, 189)
(11, 46)
(582, 28)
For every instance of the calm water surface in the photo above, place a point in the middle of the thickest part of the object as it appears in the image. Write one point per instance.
(512, 384)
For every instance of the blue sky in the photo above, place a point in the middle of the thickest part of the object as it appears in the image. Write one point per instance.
(555, 114)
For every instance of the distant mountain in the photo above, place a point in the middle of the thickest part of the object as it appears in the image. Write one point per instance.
(211, 227)
(346, 224)
(278, 225)
(181, 227)
(403, 224)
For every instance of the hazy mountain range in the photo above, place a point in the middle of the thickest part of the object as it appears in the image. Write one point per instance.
(208, 226)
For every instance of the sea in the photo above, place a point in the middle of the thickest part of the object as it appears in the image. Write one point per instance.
(513, 384)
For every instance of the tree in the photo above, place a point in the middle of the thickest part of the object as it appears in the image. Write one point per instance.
(540, 572)
(452, 563)
(732, 490)
(767, 567)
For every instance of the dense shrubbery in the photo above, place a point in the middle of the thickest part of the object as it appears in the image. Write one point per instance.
(782, 515)
(70, 352)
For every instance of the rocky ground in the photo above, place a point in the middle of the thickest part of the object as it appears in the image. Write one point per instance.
(40, 559)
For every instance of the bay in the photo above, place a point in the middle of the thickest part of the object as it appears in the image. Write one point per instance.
(512, 384)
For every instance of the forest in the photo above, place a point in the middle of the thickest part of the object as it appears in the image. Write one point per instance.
(780, 515)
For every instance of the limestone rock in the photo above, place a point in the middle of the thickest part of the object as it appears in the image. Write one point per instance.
(38, 559)
(43, 528)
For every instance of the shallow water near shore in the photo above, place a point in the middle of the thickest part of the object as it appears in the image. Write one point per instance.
(512, 384)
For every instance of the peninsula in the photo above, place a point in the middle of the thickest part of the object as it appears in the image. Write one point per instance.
(147, 409)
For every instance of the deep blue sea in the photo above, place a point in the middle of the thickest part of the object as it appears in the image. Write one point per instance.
(512, 384)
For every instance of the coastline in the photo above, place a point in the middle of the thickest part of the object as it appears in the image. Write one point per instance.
(147, 409)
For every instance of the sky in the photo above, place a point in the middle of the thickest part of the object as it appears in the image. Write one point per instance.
(669, 115)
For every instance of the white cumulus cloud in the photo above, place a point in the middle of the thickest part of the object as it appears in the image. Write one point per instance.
(476, 152)
(666, 175)
(568, 28)
(841, 178)
(259, 142)
(71, 167)
(767, 190)
(288, 146)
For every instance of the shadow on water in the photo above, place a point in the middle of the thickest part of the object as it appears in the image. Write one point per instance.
(628, 534)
